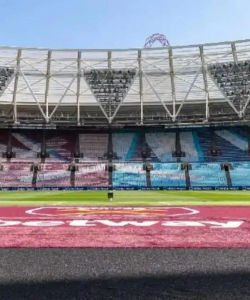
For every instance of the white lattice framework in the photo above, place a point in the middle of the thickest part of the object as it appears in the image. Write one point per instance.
(49, 83)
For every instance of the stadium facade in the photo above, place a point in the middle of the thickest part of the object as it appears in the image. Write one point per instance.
(174, 117)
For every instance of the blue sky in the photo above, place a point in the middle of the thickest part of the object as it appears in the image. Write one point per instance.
(120, 24)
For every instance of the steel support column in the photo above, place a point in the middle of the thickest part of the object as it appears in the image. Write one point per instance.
(17, 73)
(171, 67)
(204, 73)
(234, 53)
(33, 95)
(109, 101)
(79, 55)
(47, 86)
(157, 96)
(140, 86)
(62, 97)
(235, 57)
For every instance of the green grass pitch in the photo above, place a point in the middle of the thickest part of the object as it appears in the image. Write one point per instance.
(123, 198)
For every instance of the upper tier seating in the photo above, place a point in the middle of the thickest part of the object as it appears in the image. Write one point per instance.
(5, 77)
(122, 145)
(232, 145)
(231, 142)
(233, 79)
(110, 85)
(191, 147)
(26, 147)
(3, 143)
(240, 174)
(129, 175)
(127, 146)
(60, 147)
(162, 144)
(164, 175)
(94, 146)
(207, 175)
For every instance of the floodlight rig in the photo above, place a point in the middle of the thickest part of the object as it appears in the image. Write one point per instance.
(156, 37)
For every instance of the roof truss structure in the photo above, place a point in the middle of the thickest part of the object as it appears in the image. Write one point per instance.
(110, 87)
(159, 86)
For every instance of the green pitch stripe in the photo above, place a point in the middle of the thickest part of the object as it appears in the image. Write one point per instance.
(129, 198)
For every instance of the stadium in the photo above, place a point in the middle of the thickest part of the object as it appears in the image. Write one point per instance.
(126, 148)
(168, 118)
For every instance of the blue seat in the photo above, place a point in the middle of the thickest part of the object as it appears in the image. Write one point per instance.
(129, 175)
(207, 174)
(240, 174)
(167, 175)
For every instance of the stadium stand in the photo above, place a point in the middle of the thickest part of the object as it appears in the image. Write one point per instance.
(167, 175)
(207, 175)
(25, 146)
(3, 144)
(5, 77)
(233, 79)
(16, 175)
(93, 146)
(162, 145)
(53, 174)
(129, 175)
(175, 117)
(124, 144)
(26, 168)
(60, 147)
(233, 147)
(110, 86)
(91, 175)
(127, 146)
(190, 145)
(240, 174)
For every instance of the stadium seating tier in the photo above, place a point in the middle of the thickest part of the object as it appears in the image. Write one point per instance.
(204, 150)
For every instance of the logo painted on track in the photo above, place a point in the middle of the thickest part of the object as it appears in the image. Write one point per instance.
(64, 211)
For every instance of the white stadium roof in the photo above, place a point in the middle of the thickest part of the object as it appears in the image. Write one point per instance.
(169, 85)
